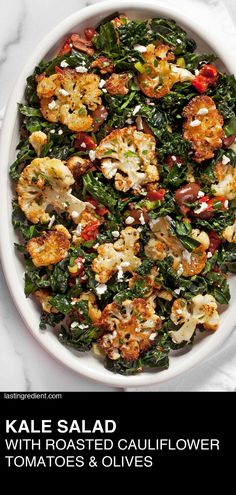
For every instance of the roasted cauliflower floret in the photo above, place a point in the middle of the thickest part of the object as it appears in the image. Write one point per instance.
(229, 233)
(129, 329)
(93, 311)
(158, 74)
(133, 153)
(78, 166)
(45, 182)
(38, 139)
(49, 248)
(43, 296)
(62, 228)
(202, 237)
(203, 127)
(68, 97)
(200, 310)
(226, 177)
(117, 84)
(163, 243)
(118, 257)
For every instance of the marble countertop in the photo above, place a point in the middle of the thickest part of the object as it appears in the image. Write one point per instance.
(24, 365)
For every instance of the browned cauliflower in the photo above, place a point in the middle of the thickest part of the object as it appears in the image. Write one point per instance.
(133, 153)
(93, 311)
(43, 296)
(67, 97)
(44, 182)
(158, 74)
(163, 243)
(129, 329)
(38, 139)
(200, 310)
(117, 84)
(203, 127)
(226, 177)
(229, 233)
(118, 257)
(50, 248)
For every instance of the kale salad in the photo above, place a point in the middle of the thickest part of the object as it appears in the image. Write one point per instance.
(126, 191)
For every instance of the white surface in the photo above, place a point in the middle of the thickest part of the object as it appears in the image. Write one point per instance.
(23, 364)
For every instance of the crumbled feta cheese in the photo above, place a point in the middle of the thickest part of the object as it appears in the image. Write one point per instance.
(200, 194)
(52, 131)
(196, 72)
(178, 41)
(92, 155)
(202, 208)
(82, 326)
(129, 121)
(226, 203)
(115, 355)
(187, 256)
(140, 48)
(81, 69)
(202, 111)
(129, 220)
(125, 264)
(177, 291)
(83, 145)
(104, 90)
(101, 289)
(60, 132)
(51, 221)
(78, 229)
(64, 64)
(120, 273)
(63, 92)
(115, 233)
(74, 214)
(209, 254)
(102, 83)
(136, 109)
(195, 123)
(141, 219)
(75, 323)
(180, 269)
(52, 105)
(152, 336)
(174, 158)
(96, 246)
(225, 160)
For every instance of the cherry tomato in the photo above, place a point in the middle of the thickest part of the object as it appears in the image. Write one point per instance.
(200, 83)
(207, 75)
(90, 232)
(209, 71)
(84, 142)
(215, 241)
(156, 195)
(211, 201)
(90, 33)
(66, 48)
(100, 209)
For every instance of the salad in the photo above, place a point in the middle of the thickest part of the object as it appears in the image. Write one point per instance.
(126, 191)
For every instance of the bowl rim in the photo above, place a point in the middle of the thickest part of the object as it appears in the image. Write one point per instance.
(217, 45)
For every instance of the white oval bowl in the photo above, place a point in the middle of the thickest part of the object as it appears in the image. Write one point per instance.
(85, 363)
